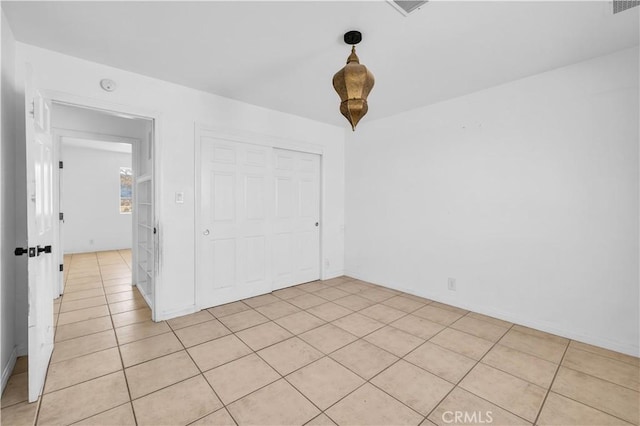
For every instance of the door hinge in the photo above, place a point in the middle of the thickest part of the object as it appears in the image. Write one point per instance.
(61, 267)
(61, 216)
(60, 165)
(32, 111)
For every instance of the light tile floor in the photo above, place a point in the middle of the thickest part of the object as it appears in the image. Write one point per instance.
(341, 351)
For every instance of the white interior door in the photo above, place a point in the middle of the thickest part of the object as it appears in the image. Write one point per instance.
(40, 217)
(233, 231)
(296, 239)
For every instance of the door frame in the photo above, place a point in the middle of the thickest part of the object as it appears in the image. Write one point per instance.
(62, 98)
(259, 139)
(59, 134)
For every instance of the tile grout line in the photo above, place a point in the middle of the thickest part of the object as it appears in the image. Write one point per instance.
(384, 324)
(575, 400)
(548, 390)
(626, 364)
(457, 385)
(46, 377)
(201, 373)
(402, 358)
(544, 400)
(590, 406)
(349, 369)
(600, 378)
(327, 355)
(289, 338)
(282, 377)
(637, 365)
(124, 374)
(337, 349)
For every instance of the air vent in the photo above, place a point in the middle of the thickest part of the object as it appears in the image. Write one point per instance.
(622, 5)
(406, 6)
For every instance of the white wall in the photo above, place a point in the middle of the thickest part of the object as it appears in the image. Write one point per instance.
(526, 193)
(91, 197)
(9, 343)
(178, 109)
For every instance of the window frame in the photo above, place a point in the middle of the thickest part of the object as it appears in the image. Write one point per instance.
(128, 171)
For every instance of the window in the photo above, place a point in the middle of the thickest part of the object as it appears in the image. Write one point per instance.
(126, 182)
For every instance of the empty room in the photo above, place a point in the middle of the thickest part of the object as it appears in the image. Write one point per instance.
(382, 212)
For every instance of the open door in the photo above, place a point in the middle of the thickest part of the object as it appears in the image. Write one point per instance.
(40, 216)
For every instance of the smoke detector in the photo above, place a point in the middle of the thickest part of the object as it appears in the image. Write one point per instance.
(406, 7)
(108, 84)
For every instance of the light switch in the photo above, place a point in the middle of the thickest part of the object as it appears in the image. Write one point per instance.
(179, 197)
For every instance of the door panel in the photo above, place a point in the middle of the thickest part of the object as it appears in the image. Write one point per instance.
(285, 197)
(297, 183)
(255, 187)
(41, 272)
(223, 197)
(283, 257)
(233, 222)
(224, 262)
(255, 254)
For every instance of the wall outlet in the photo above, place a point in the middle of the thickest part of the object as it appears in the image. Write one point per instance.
(90, 242)
(451, 284)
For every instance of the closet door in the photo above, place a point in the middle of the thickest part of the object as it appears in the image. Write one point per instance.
(234, 227)
(296, 227)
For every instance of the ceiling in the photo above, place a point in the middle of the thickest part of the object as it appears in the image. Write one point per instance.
(282, 55)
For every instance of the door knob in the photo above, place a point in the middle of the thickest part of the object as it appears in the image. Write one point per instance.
(31, 251)
(206, 232)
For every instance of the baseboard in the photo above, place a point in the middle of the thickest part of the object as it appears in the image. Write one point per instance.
(327, 275)
(22, 350)
(616, 346)
(167, 315)
(8, 369)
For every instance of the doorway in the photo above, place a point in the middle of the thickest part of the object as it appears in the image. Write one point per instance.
(50, 117)
(104, 190)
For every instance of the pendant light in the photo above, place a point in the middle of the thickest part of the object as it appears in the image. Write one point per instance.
(353, 83)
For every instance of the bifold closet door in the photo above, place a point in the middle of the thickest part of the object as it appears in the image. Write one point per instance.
(296, 222)
(233, 241)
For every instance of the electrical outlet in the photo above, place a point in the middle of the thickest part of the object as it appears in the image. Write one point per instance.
(90, 242)
(451, 284)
